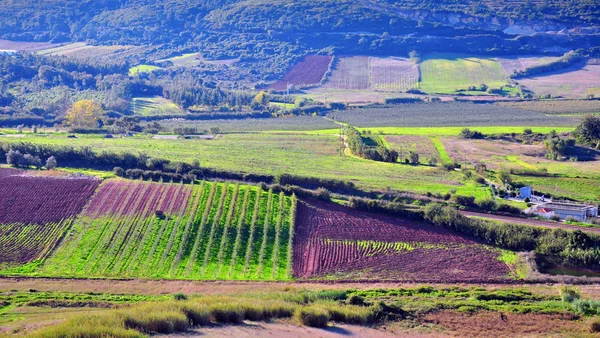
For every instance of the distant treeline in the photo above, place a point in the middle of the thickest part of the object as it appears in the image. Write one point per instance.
(566, 61)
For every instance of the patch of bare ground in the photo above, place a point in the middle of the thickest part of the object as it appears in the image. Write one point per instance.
(160, 287)
(494, 324)
(489, 152)
(25, 46)
(569, 83)
(282, 329)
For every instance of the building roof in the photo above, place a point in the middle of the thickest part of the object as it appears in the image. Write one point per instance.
(567, 206)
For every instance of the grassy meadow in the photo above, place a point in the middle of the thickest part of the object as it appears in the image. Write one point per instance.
(447, 73)
(154, 106)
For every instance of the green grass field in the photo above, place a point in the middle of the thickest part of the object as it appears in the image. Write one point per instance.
(446, 73)
(314, 155)
(222, 231)
(153, 106)
(142, 69)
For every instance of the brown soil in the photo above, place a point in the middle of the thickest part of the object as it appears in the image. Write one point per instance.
(252, 329)
(493, 324)
(332, 240)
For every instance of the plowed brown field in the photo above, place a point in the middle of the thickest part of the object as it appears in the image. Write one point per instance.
(335, 242)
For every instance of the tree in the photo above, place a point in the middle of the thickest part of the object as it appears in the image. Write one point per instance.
(588, 132)
(414, 157)
(13, 157)
(84, 114)
(51, 163)
(504, 177)
(260, 100)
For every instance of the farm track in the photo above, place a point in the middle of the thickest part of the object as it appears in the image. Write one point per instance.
(530, 222)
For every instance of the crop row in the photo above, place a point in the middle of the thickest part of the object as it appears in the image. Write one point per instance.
(40, 200)
(205, 231)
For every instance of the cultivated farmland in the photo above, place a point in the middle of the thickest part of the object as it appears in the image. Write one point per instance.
(420, 144)
(156, 230)
(309, 71)
(512, 65)
(35, 211)
(447, 114)
(447, 73)
(558, 107)
(154, 106)
(568, 83)
(269, 124)
(393, 74)
(350, 73)
(338, 243)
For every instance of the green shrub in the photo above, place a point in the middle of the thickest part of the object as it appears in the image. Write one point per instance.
(197, 315)
(569, 294)
(98, 326)
(155, 319)
(487, 204)
(356, 300)
(179, 296)
(227, 313)
(312, 316)
(586, 307)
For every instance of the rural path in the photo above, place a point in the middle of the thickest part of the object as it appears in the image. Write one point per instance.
(531, 222)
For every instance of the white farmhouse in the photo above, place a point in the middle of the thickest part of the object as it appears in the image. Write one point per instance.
(564, 210)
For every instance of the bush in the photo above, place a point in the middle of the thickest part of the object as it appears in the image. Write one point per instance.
(197, 315)
(312, 316)
(466, 201)
(356, 300)
(595, 325)
(569, 294)
(179, 296)
(488, 204)
(150, 318)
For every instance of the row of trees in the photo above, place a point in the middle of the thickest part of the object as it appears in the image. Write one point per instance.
(358, 147)
(16, 159)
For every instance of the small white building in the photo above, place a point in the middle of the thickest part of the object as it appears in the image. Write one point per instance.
(565, 210)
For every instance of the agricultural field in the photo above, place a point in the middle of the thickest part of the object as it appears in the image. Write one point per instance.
(26, 46)
(574, 83)
(515, 64)
(83, 51)
(35, 211)
(333, 242)
(422, 145)
(159, 230)
(573, 179)
(296, 123)
(447, 73)
(557, 107)
(142, 69)
(310, 153)
(349, 73)
(367, 73)
(309, 71)
(393, 74)
(195, 59)
(154, 106)
(448, 115)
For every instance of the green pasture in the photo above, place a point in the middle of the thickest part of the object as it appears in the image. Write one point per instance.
(153, 106)
(276, 153)
(142, 69)
(446, 73)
